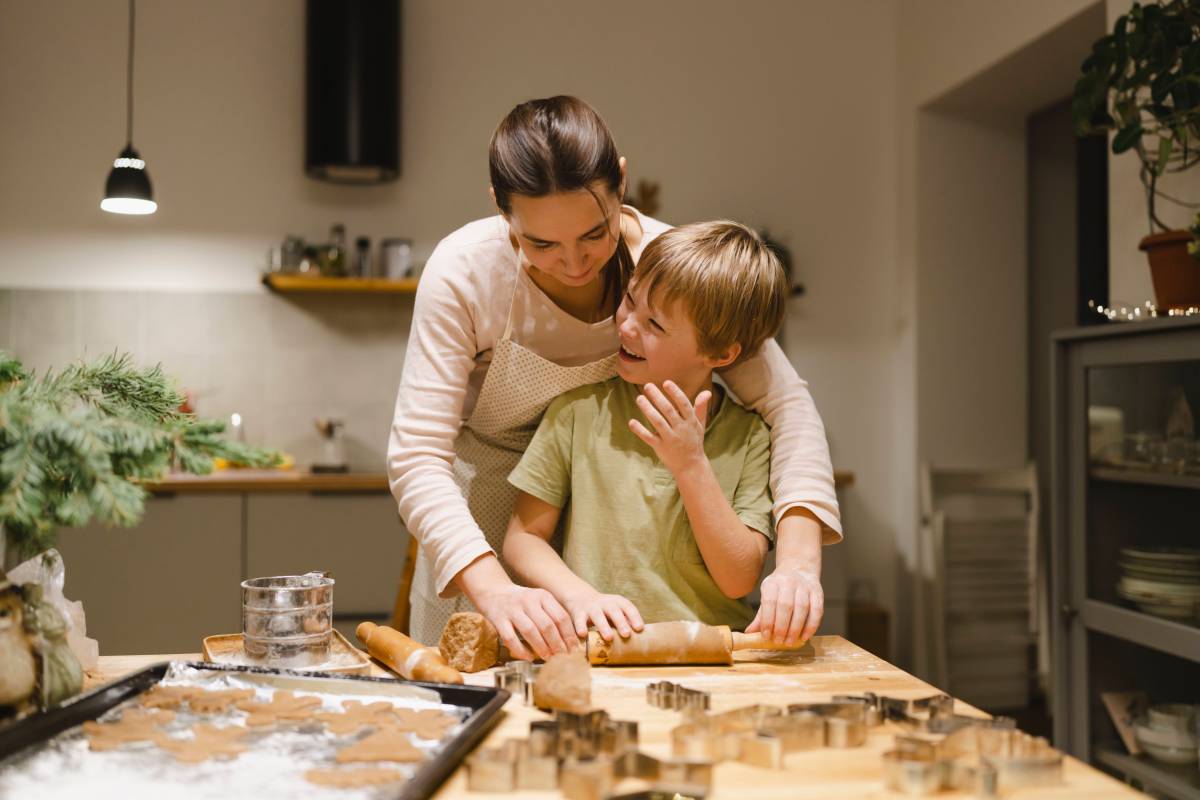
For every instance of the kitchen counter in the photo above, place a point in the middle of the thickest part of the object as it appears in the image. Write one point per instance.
(283, 480)
(836, 667)
(269, 480)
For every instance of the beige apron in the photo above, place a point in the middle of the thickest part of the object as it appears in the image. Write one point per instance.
(516, 390)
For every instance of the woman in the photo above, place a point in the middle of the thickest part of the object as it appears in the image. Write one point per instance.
(512, 311)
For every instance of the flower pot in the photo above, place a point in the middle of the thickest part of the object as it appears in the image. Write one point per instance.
(1176, 275)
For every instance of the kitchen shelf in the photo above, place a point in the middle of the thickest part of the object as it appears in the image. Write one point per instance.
(266, 480)
(1168, 636)
(302, 284)
(1099, 644)
(1144, 478)
(1182, 782)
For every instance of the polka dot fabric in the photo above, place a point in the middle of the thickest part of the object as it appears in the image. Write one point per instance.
(516, 391)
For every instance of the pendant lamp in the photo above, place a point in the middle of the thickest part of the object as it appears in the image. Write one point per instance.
(127, 190)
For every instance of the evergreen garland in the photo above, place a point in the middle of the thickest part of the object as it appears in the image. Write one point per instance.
(76, 445)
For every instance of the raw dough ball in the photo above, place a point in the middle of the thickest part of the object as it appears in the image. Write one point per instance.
(564, 682)
(469, 642)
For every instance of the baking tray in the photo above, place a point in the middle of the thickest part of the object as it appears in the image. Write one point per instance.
(483, 702)
(227, 648)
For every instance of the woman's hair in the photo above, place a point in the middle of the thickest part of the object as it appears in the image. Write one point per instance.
(726, 279)
(559, 144)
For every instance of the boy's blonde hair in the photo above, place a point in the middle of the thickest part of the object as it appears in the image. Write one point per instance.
(726, 279)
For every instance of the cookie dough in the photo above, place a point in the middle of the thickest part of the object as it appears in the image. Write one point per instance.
(134, 725)
(216, 700)
(208, 741)
(161, 696)
(283, 705)
(353, 778)
(427, 723)
(357, 715)
(469, 642)
(390, 744)
(564, 682)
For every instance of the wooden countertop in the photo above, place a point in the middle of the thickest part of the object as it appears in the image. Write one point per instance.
(283, 480)
(837, 667)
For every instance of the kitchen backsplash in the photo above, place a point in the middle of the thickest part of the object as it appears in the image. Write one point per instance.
(279, 361)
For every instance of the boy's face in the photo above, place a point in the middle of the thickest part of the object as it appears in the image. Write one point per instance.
(658, 344)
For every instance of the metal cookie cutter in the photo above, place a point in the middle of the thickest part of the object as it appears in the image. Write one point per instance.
(665, 694)
(513, 765)
(845, 723)
(534, 763)
(586, 735)
(718, 737)
(982, 759)
(517, 677)
(596, 778)
(776, 736)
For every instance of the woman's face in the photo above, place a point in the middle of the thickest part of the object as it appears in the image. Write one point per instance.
(568, 236)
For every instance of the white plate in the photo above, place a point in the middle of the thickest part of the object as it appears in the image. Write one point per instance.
(1178, 556)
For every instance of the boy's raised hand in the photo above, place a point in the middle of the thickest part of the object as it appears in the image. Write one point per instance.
(601, 610)
(678, 437)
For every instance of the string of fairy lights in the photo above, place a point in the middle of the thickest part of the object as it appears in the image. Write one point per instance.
(1146, 310)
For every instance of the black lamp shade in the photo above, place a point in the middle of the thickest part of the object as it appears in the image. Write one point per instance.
(352, 91)
(127, 190)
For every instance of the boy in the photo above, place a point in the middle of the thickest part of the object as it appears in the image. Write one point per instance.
(670, 517)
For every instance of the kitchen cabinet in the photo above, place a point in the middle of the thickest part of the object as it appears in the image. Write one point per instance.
(358, 538)
(1126, 497)
(164, 585)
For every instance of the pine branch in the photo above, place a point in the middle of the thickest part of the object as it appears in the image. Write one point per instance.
(75, 445)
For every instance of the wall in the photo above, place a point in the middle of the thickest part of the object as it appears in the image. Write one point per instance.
(758, 115)
(970, 74)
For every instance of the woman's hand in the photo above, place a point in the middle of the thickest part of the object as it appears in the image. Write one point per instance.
(793, 603)
(601, 610)
(533, 615)
(678, 439)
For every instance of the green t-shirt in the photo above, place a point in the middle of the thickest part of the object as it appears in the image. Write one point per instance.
(624, 525)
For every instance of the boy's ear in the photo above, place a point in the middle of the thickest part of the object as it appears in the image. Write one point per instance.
(492, 194)
(726, 358)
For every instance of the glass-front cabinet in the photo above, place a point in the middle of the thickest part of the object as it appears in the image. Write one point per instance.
(1125, 551)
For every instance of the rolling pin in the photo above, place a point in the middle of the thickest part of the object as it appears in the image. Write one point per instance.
(678, 643)
(410, 658)
(471, 641)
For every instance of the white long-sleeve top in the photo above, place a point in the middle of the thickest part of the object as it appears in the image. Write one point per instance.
(460, 311)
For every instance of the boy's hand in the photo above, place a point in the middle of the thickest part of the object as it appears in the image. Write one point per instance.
(793, 603)
(678, 439)
(599, 610)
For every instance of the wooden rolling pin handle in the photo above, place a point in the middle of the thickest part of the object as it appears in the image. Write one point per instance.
(410, 658)
(757, 641)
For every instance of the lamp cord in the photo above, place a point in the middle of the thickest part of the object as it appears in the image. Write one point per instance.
(129, 83)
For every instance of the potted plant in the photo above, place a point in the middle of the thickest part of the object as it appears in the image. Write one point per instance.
(1142, 81)
(76, 445)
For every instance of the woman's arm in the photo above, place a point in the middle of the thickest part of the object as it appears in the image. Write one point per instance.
(806, 508)
(442, 348)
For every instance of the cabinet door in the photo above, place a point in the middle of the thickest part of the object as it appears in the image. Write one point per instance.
(358, 538)
(164, 585)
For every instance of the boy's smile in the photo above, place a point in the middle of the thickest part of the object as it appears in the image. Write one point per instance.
(659, 344)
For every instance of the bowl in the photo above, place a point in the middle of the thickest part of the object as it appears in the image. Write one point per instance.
(1180, 717)
(1169, 747)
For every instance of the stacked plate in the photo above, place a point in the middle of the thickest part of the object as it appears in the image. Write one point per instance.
(1163, 581)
